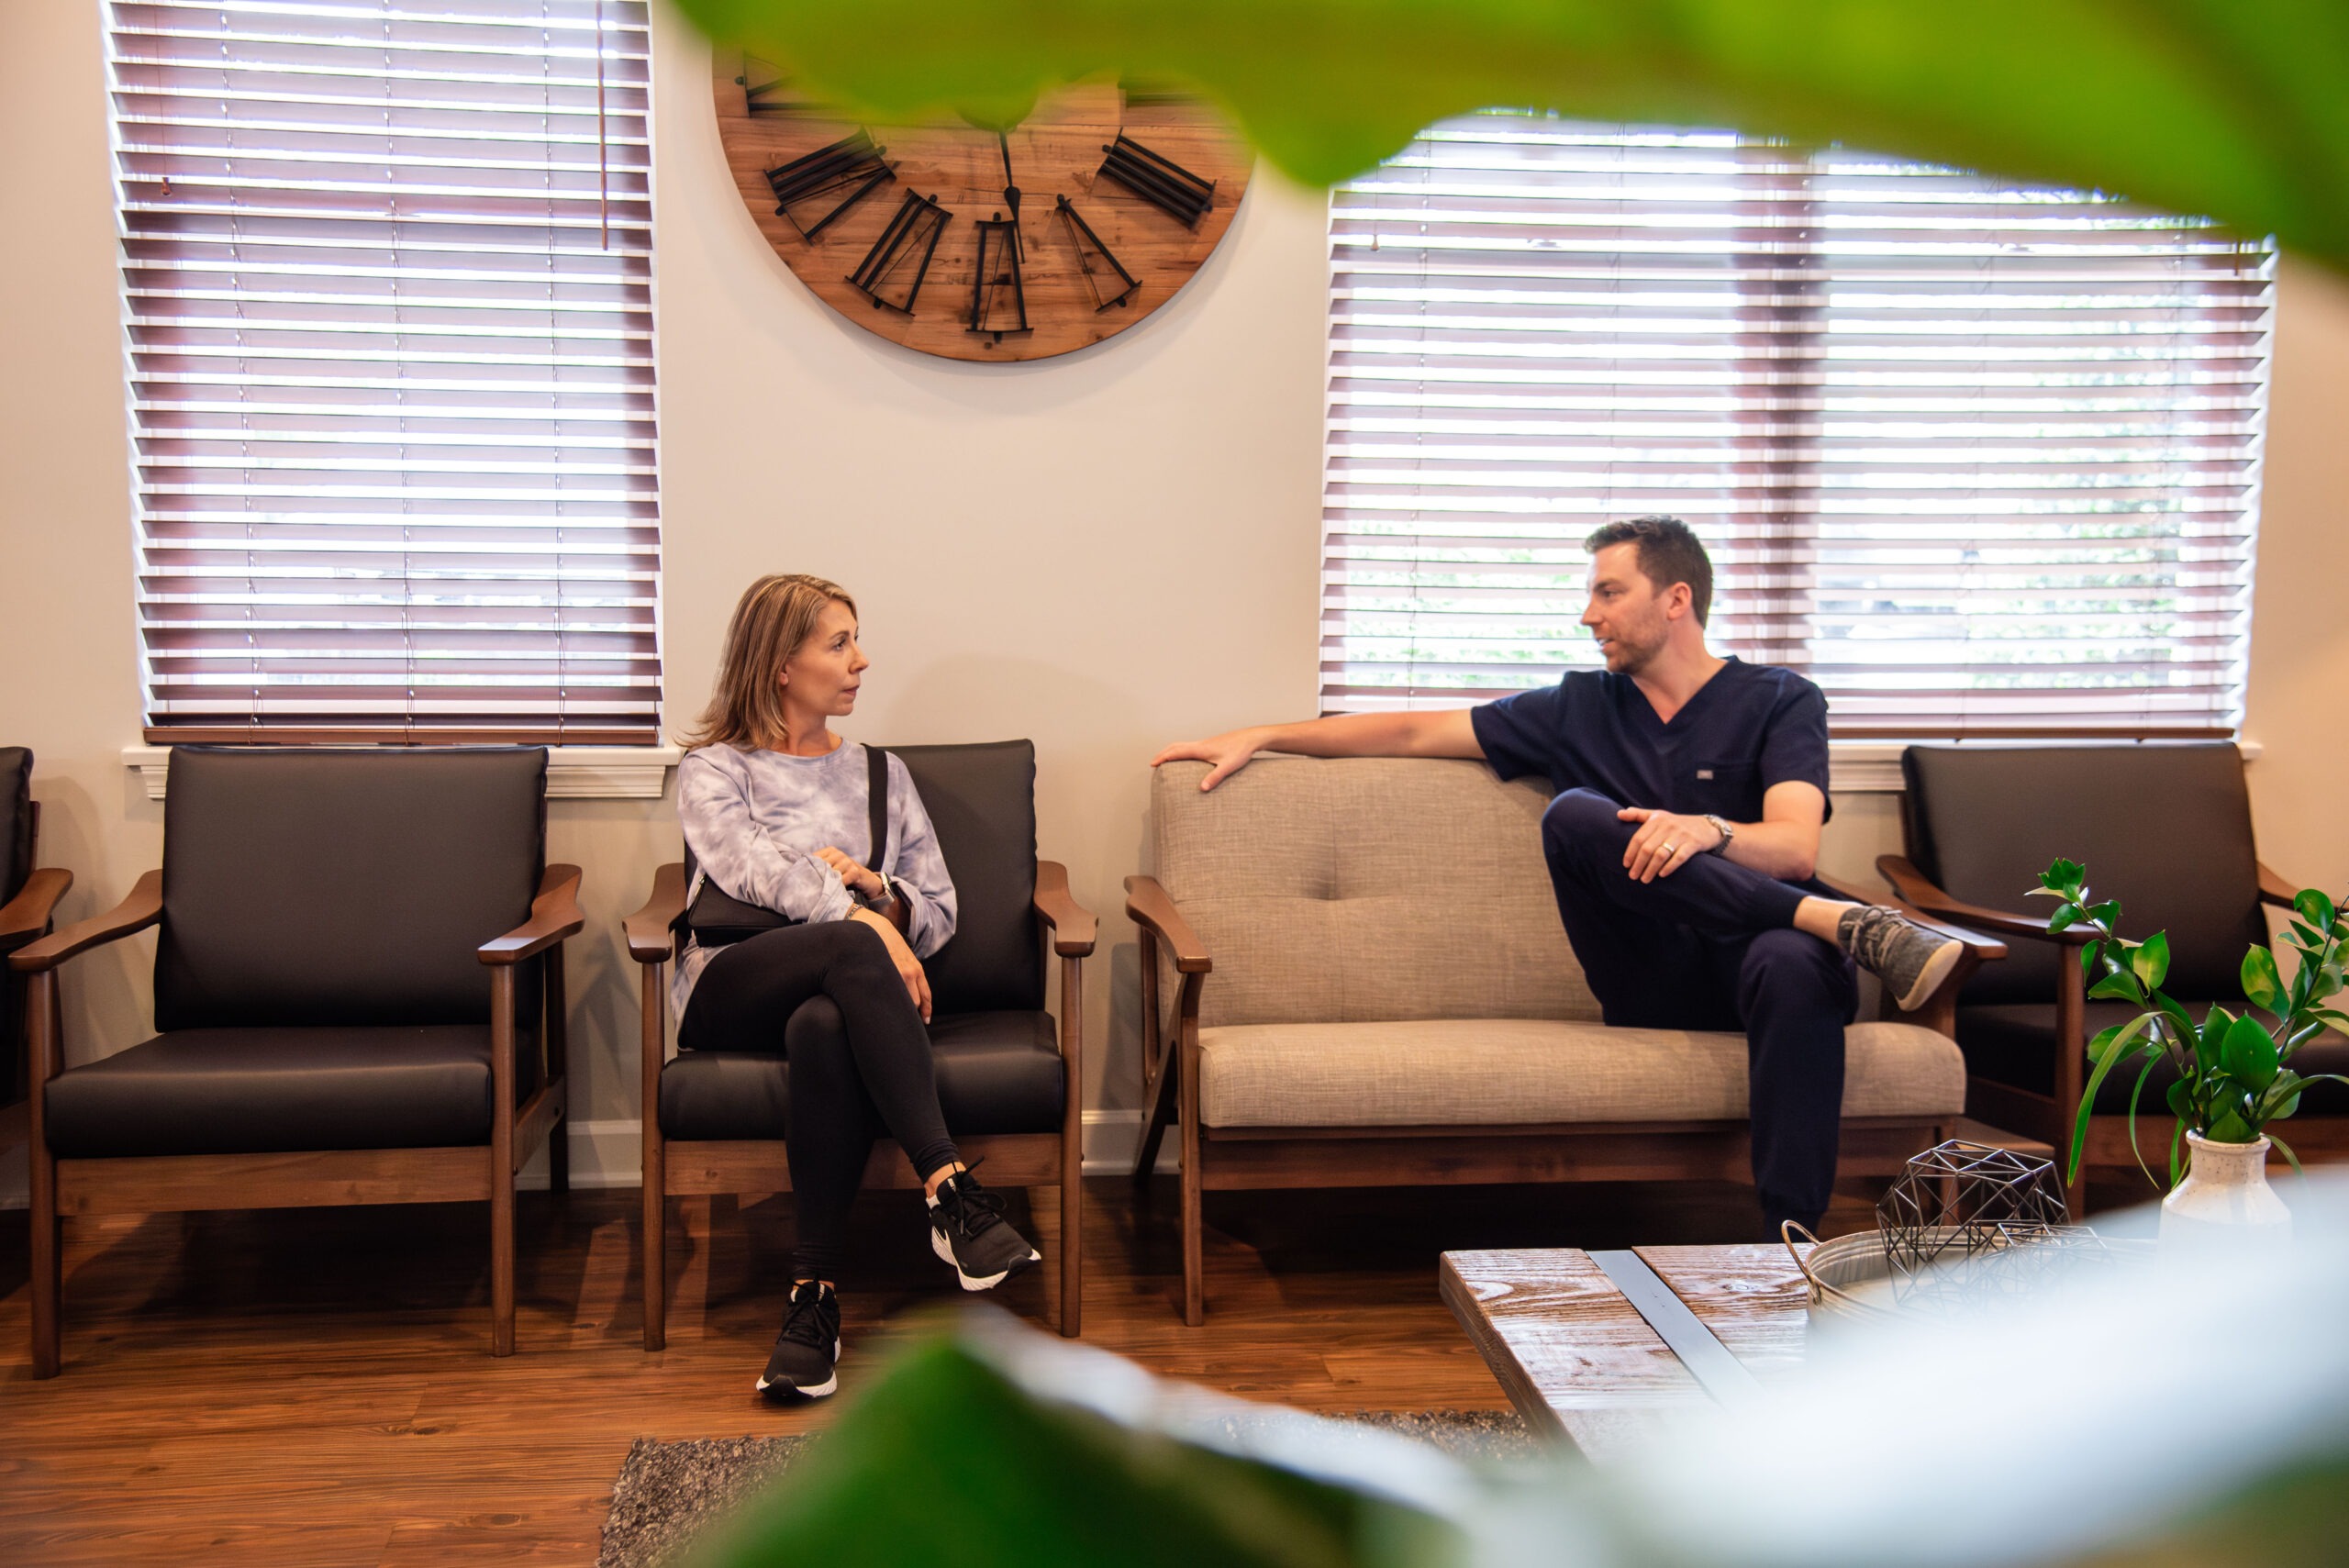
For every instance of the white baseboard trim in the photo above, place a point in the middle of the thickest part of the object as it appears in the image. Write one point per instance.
(603, 1155)
(1112, 1139)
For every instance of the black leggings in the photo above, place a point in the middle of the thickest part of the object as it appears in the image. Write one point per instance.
(847, 1084)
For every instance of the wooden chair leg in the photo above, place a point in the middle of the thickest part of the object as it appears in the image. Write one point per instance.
(1072, 1257)
(656, 1165)
(501, 1266)
(501, 1162)
(41, 1042)
(656, 1265)
(1195, 1283)
(1072, 1150)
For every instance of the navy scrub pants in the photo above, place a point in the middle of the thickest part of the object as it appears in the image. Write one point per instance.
(1713, 947)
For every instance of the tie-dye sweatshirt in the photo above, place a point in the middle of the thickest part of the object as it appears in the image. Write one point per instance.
(755, 819)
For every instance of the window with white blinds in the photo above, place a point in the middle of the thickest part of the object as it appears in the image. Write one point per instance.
(1978, 458)
(387, 268)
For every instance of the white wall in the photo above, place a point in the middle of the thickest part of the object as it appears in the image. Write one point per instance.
(1027, 559)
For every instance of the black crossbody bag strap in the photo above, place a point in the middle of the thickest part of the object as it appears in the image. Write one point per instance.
(716, 919)
(876, 788)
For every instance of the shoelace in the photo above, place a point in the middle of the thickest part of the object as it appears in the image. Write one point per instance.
(1872, 936)
(968, 1206)
(804, 1324)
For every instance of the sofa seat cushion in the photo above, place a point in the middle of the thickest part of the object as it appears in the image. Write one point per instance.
(997, 1073)
(2014, 1043)
(1525, 1072)
(263, 1091)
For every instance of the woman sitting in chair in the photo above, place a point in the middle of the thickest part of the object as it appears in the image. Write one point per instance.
(777, 811)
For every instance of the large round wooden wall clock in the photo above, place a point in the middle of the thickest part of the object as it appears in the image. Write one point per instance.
(977, 244)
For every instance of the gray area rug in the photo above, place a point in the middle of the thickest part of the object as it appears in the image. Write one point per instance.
(668, 1493)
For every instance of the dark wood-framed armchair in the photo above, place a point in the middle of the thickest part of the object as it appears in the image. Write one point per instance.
(359, 999)
(2165, 828)
(1009, 1075)
(28, 895)
(1359, 1033)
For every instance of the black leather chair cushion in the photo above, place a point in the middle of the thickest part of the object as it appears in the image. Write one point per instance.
(2014, 1043)
(339, 888)
(997, 1071)
(2166, 828)
(981, 800)
(275, 1090)
(15, 865)
(16, 819)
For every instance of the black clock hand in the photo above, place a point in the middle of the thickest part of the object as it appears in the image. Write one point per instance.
(1010, 192)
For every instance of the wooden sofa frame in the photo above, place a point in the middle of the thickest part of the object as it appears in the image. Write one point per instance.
(1242, 1158)
(678, 1168)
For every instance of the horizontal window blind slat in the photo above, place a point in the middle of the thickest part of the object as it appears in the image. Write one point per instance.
(389, 329)
(1978, 458)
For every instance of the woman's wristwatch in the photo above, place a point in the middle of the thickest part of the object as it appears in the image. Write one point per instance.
(1726, 831)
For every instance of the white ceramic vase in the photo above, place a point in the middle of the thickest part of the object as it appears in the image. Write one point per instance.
(2225, 1200)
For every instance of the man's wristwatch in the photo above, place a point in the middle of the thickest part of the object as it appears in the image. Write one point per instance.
(1726, 831)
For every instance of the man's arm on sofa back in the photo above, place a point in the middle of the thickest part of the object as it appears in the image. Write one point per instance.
(1446, 733)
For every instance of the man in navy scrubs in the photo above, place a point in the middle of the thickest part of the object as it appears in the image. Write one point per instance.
(1682, 841)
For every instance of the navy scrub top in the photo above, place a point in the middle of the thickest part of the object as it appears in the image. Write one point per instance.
(1750, 726)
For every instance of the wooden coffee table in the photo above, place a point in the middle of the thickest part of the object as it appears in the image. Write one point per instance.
(1579, 1358)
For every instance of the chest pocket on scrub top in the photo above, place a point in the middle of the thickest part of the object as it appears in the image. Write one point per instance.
(1729, 789)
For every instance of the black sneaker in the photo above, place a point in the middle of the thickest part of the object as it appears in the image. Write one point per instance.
(968, 1231)
(806, 1350)
(1911, 960)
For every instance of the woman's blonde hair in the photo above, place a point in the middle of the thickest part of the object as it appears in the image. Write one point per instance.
(776, 614)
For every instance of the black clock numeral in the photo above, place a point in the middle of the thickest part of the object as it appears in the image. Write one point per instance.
(853, 164)
(998, 299)
(890, 275)
(1162, 183)
(1095, 258)
(757, 99)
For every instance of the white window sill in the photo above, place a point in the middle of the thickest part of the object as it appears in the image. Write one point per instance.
(573, 773)
(1873, 767)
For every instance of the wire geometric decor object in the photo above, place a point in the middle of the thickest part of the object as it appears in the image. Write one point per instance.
(1969, 1224)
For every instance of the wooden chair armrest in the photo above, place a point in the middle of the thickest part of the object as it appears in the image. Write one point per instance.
(1918, 892)
(1074, 926)
(140, 908)
(651, 930)
(2273, 889)
(27, 915)
(1983, 947)
(554, 915)
(1148, 905)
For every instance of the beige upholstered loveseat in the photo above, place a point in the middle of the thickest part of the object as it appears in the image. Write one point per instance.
(1368, 985)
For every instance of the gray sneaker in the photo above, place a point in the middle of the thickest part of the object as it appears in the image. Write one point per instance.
(1911, 960)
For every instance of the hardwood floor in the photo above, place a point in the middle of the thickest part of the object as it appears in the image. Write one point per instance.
(297, 1386)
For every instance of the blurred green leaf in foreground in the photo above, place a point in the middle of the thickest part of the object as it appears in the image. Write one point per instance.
(2228, 109)
(970, 1450)
(2065, 1427)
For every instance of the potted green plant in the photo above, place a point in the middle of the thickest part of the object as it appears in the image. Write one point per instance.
(2234, 1076)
